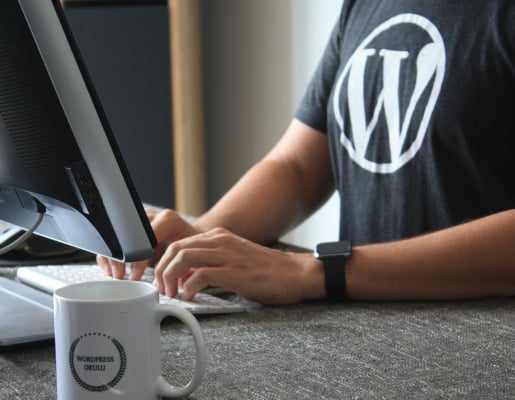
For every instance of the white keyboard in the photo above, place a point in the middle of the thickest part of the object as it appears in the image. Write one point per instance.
(51, 277)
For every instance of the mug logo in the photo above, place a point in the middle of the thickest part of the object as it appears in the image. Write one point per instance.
(96, 358)
(404, 111)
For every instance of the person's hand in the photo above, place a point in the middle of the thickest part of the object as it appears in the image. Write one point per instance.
(168, 226)
(219, 258)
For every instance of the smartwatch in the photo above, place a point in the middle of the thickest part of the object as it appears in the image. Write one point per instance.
(334, 255)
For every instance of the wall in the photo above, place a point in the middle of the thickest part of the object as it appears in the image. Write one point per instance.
(247, 70)
(126, 50)
(258, 58)
(312, 23)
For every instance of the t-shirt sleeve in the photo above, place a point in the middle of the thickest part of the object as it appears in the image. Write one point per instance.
(312, 109)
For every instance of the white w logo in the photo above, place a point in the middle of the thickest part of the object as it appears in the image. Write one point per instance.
(430, 66)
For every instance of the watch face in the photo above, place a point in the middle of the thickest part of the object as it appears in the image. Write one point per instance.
(333, 249)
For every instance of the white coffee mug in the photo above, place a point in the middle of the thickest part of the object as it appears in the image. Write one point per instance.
(108, 342)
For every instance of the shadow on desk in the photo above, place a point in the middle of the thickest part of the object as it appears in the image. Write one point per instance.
(38, 250)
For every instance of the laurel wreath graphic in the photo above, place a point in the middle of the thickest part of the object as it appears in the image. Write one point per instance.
(107, 386)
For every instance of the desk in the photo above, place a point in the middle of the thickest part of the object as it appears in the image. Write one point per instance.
(325, 351)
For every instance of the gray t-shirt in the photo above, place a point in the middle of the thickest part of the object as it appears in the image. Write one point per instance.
(418, 101)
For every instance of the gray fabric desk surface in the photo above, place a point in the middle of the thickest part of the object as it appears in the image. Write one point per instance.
(460, 350)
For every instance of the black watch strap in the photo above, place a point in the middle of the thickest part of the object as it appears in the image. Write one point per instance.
(335, 279)
(334, 256)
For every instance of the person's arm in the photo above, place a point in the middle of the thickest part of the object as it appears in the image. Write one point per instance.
(475, 259)
(292, 181)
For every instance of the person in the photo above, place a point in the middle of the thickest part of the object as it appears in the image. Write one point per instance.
(410, 116)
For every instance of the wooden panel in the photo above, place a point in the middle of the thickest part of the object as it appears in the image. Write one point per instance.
(188, 108)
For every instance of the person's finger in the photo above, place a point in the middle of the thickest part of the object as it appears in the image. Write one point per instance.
(117, 269)
(160, 267)
(169, 255)
(103, 263)
(184, 261)
(185, 277)
(191, 252)
(137, 270)
(151, 213)
(202, 278)
(112, 268)
(168, 227)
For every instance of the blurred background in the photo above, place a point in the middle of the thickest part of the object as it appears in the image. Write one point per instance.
(257, 57)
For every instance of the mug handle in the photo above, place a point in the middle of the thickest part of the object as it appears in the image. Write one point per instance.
(163, 387)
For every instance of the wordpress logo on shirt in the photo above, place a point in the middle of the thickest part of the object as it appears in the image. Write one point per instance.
(387, 92)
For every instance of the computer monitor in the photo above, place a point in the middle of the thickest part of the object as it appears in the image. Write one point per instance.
(58, 155)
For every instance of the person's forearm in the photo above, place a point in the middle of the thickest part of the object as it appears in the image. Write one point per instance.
(293, 180)
(258, 207)
(475, 259)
